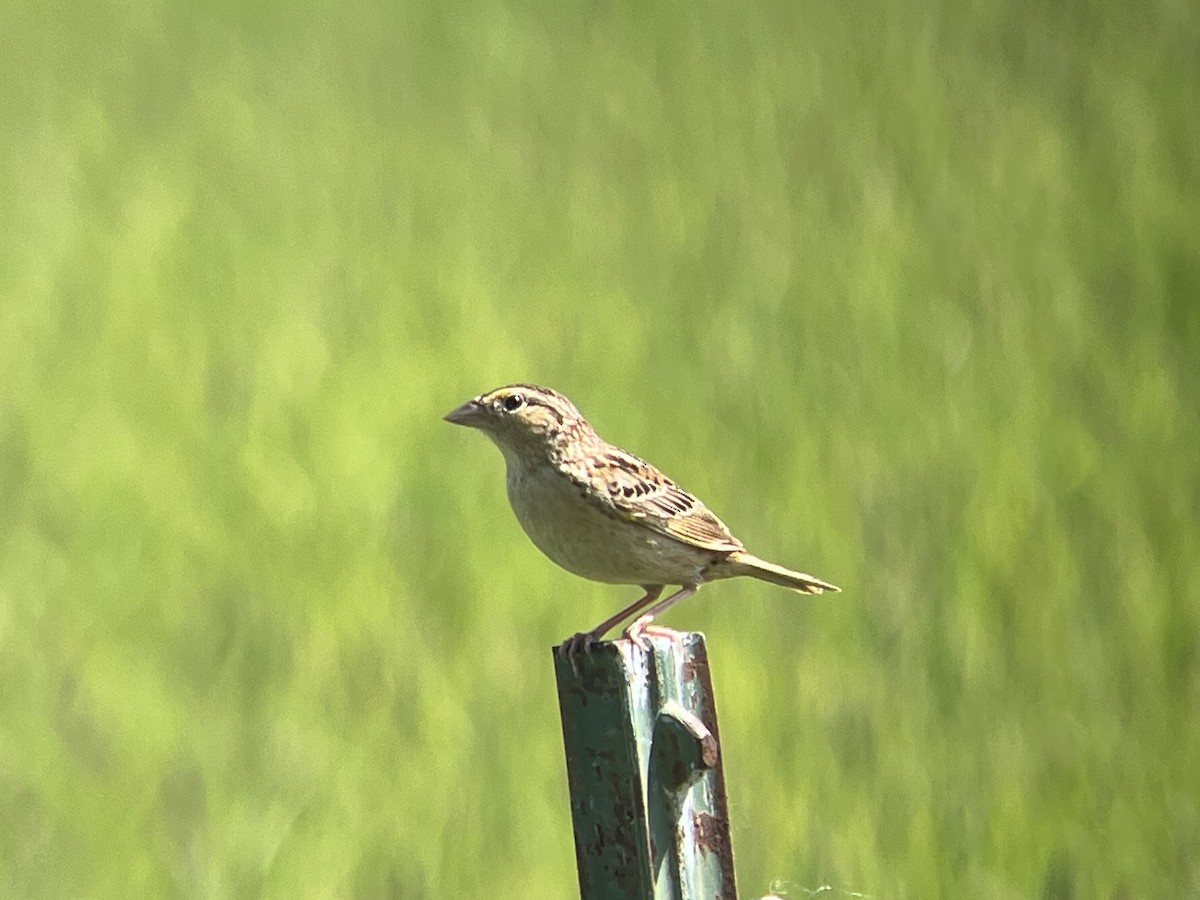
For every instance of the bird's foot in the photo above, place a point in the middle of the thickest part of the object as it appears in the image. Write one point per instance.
(643, 627)
(576, 644)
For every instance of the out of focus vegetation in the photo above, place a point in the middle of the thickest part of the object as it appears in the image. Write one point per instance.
(910, 294)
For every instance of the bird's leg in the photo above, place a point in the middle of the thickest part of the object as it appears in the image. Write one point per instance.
(644, 624)
(653, 591)
(582, 642)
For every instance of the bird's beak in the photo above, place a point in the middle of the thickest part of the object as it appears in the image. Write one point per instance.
(470, 414)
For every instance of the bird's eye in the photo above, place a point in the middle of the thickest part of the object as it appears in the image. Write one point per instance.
(513, 402)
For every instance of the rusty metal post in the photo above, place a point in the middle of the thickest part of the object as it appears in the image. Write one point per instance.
(644, 770)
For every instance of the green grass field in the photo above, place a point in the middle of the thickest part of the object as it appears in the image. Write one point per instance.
(910, 295)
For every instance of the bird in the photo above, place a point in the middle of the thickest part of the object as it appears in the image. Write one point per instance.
(604, 514)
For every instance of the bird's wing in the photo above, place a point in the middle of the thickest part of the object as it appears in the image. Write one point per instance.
(641, 493)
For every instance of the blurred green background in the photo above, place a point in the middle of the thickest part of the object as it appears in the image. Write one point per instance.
(909, 294)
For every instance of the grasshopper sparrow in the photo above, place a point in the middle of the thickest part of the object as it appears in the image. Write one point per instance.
(604, 514)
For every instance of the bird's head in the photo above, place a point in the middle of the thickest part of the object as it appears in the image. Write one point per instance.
(527, 422)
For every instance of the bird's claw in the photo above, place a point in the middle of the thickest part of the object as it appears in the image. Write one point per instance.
(576, 644)
(638, 631)
(635, 632)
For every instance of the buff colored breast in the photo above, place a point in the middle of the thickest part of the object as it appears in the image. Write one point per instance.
(582, 538)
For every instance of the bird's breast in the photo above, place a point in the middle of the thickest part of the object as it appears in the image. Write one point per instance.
(578, 534)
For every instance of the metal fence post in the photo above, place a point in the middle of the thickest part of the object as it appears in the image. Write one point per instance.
(644, 770)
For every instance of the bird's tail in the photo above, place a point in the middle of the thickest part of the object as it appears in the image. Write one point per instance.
(745, 563)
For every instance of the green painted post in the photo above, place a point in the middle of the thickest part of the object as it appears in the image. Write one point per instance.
(644, 770)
